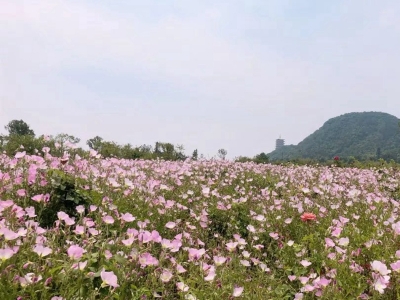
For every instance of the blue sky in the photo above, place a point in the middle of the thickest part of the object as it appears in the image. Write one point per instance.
(205, 74)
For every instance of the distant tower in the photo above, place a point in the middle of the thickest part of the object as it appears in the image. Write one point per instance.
(279, 143)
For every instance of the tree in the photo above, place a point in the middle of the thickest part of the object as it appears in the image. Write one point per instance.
(19, 127)
(180, 153)
(64, 140)
(195, 155)
(261, 158)
(222, 153)
(95, 143)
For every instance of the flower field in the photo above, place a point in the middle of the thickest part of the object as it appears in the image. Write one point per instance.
(90, 228)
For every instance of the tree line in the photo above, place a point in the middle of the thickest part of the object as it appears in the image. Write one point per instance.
(21, 137)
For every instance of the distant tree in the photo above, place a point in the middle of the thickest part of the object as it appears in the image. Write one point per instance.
(95, 143)
(243, 159)
(195, 155)
(222, 153)
(19, 127)
(28, 143)
(63, 139)
(168, 151)
(180, 153)
(110, 149)
(3, 140)
(157, 148)
(145, 151)
(261, 158)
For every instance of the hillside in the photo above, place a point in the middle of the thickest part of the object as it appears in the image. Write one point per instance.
(359, 135)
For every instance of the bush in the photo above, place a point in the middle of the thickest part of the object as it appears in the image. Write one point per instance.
(64, 196)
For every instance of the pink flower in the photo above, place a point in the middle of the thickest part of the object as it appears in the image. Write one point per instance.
(343, 241)
(6, 254)
(396, 228)
(336, 232)
(38, 198)
(274, 235)
(211, 274)
(180, 269)
(170, 225)
(156, 237)
(109, 278)
(237, 291)
(380, 267)
(145, 237)
(195, 254)
(127, 217)
(69, 221)
(62, 215)
(20, 154)
(146, 259)
(219, 260)
(129, 241)
(30, 212)
(21, 193)
(329, 242)
(75, 252)
(80, 265)
(108, 220)
(245, 263)
(305, 263)
(8, 234)
(80, 209)
(42, 251)
(380, 282)
(166, 276)
(395, 266)
(182, 287)
(29, 279)
(79, 229)
(231, 246)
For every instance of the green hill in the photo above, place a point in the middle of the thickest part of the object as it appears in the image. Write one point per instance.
(362, 135)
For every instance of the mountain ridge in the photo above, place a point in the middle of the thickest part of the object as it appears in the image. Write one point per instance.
(360, 135)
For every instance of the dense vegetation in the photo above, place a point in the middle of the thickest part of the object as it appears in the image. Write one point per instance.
(352, 136)
(94, 228)
(78, 224)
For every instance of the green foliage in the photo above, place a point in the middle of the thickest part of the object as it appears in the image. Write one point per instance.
(357, 135)
(15, 143)
(243, 159)
(222, 153)
(195, 155)
(226, 224)
(65, 195)
(19, 127)
(95, 143)
(168, 151)
(261, 158)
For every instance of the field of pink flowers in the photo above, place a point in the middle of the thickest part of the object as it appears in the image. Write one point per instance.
(89, 228)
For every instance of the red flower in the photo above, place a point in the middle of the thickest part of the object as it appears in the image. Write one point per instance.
(308, 217)
(336, 158)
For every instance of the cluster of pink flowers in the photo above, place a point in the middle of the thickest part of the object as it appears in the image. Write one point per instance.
(153, 223)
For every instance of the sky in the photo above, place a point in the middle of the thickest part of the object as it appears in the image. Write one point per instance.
(204, 74)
